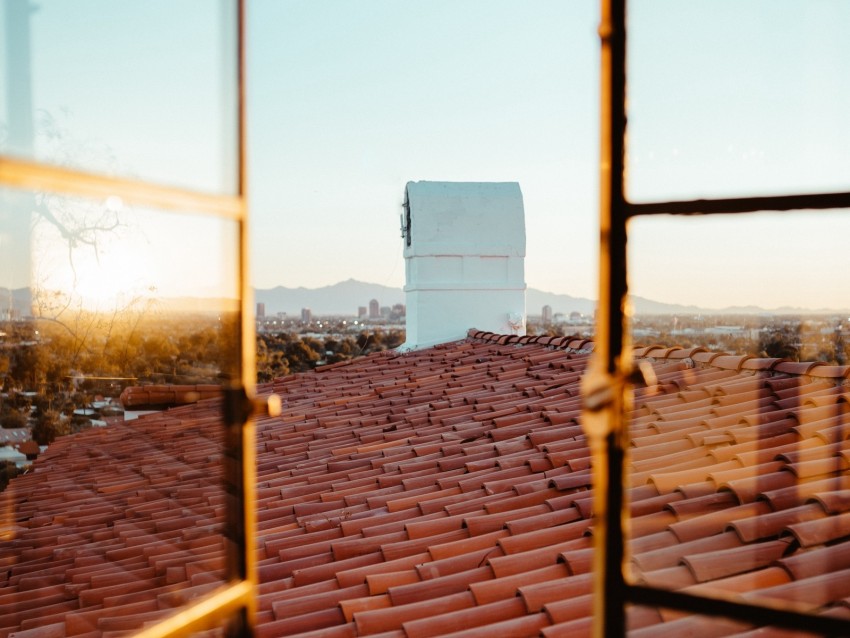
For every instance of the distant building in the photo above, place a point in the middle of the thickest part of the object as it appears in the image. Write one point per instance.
(261, 310)
(306, 315)
(374, 309)
(398, 312)
(385, 312)
(547, 315)
(575, 317)
(10, 314)
(361, 312)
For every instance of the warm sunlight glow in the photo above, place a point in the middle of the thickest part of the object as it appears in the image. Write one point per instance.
(764, 262)
(106, 278)
(110, 258)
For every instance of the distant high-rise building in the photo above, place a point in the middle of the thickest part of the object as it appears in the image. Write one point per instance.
(306, 315)
(261, 310)
(361, 312)
(374, 309)
(547, 315)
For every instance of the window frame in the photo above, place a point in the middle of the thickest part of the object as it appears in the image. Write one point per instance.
(234, 603)
(606, 388)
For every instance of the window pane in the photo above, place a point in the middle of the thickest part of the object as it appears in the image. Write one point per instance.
(739, 451)
(135, 89)
(737, 98)
(109, 315)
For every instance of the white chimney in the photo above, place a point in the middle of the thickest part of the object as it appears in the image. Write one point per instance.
(464, 251)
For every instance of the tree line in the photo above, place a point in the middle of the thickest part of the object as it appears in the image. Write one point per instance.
(282, 353)
(47, 372)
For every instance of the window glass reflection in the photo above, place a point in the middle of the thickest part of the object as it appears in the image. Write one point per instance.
(738, 451)
(115, 325)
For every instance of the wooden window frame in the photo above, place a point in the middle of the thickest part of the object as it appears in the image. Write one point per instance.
(607, 385)
(234, 603)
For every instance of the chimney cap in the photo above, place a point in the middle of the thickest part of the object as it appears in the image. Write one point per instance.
(464, 218)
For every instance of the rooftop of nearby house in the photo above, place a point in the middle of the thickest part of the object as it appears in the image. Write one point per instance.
(447, 491)
(14, 435)
(161, 396)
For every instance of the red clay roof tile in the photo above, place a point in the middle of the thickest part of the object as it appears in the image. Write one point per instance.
(708, 566)
(462, 619)
(766, 526)
(382, 620)
(833, 502)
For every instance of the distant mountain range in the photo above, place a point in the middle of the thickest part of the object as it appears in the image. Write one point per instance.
(644, 306)
(345, 297)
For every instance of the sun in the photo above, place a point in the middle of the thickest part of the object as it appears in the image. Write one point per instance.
(145, 253)
(111, 280)
(105, 277)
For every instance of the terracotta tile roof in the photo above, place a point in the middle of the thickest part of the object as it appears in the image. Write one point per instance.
(447, 491)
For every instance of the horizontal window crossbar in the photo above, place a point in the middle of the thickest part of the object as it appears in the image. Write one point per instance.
(208, 612)
(818, 201)
(23, 174)
(762, 613)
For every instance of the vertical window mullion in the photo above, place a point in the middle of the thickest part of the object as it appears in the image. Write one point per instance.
(604, 386)
(239, 426)
(237, 599)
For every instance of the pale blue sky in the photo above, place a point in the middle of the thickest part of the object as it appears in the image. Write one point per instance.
(350, 99)
(746, 97)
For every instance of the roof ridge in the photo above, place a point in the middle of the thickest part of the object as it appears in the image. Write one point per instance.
(693, 357)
